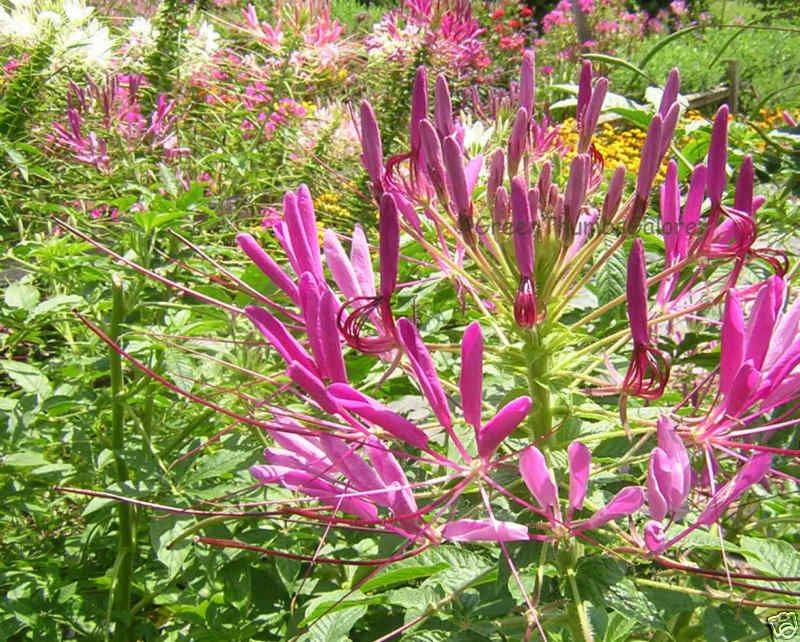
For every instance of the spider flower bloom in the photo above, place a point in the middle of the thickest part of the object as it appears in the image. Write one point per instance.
(649, 367)
(525, 310)
(541, 483)
(758, 362)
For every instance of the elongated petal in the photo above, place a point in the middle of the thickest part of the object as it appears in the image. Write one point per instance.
(401, 498)
(279, 337)
(751, 473)
(371, 147)
(576, 189)
(362, 262)
(389, 245)
(497, 165)
(300, 243)
(692, 208)
(347, 461)
(743, 389)
(539, 479)
(312, 385)
(310, 297)
(378, 414)
(625, 502)
(718, 156)
(762, 320)
(670, 214)
(580, 460)
(502, 425)
(522, 226)
(733, 343)
(308, 218)
(423, 367)
(340, 266)
(268, 266)
(786, 332)
(311, 485)
(434, 161)
(329, 332)
(471, 380)
(637, 293)
(484, 530)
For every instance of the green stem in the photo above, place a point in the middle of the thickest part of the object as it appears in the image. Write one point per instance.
(540, 419)
(121, 598)
(584, 628)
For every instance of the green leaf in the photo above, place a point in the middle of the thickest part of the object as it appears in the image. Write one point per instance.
(404, 571)
(28, 377)
(727, 624)
(24, 459)
(334, 626)
(21, 296)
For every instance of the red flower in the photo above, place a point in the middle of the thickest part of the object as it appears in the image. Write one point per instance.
(514, 24)
(526, 11)
(498, 13)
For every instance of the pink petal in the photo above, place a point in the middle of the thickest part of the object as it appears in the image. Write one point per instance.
(502, 425)
(378, 414)
(362, 262)
(539, 479)
(279, 337)
(580, 460)
(484, 530)
(340, 266)
(732, 344)
(625, 502)
(389, 229)
(718, 156)
(268, 266)
(751, 473)
(522, 227)
(423, 367)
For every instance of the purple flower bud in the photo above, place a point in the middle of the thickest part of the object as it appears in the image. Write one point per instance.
(419, 106)
(668, 128)
(501, 207)
(692, 207)
(371, 148)
(518, 141)
(454, 164)
(533, 203)
(743, 201)
(670, 213)
(443, 108)
(527, 82)
(591, 114)
(670, 94)
(522, 227)
(525, 308)
(471, 381)
(637, 294)
(613, 195)
(648, 168)
(718, 157)
(545, 179)
(389, 248)
(575, 192)
(584, 90)
(494, 180)
(434, 163)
